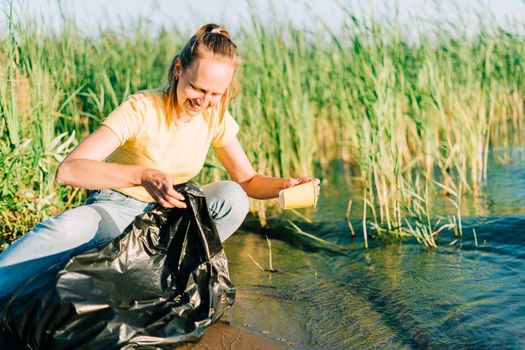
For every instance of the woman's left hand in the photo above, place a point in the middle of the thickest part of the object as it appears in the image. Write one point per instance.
(301, 180)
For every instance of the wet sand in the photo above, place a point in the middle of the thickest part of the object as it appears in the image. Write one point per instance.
(222, 336)
(219, 336)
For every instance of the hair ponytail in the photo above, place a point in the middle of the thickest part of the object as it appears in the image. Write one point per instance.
(213, 29)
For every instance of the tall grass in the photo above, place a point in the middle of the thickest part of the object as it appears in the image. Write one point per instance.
(403, 114)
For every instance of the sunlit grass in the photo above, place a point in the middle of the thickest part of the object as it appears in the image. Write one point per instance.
(403, 114)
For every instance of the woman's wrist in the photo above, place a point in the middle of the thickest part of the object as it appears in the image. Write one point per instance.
(142, 175)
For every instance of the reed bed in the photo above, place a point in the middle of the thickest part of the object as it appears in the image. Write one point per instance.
(410, 117)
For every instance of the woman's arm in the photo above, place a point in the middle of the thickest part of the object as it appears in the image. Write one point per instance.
(84, 167)
(234, 159)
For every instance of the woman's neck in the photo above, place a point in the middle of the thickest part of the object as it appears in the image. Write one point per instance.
(180, 116)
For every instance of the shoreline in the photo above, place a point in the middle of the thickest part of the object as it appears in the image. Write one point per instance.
(219, 336)
(223, 336)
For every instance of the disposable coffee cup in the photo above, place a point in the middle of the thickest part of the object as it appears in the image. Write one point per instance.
(300, 196)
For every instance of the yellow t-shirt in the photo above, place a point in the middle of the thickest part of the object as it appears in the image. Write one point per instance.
(150, 138)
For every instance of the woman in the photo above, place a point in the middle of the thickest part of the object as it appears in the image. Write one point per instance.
(154, 140)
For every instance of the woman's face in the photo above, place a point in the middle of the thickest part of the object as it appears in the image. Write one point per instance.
(202, 85)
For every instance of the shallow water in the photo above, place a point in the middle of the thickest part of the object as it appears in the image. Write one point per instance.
(390, 295)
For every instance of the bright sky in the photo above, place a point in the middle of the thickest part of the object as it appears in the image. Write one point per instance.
(188, 14)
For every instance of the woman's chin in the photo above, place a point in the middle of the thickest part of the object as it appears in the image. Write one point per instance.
(193, 113)
(189, 113)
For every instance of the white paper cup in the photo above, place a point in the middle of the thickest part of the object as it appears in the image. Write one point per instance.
(300, 196)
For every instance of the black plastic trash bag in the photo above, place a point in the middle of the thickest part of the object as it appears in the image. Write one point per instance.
(160, 283)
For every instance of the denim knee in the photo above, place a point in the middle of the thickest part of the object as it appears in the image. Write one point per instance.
(228, 205)
(238, 199)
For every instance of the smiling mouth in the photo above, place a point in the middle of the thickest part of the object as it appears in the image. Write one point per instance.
(195, 107)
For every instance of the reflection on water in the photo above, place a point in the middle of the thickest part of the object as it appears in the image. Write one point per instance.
(390, 296)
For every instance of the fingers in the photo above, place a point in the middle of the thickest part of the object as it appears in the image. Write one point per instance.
(169, 198)
(174, 198)
(170, 202)
(291, 182)
(306, 179)
(303, 180)
(170, 191)
(317, 183)
(174, 195)
(160, 187)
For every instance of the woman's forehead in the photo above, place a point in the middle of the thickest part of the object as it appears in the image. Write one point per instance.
(211, 74)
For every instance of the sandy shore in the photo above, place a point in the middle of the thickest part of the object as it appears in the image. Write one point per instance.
(222, 336)
(219, 336)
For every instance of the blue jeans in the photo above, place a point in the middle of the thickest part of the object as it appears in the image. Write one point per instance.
(104, 216)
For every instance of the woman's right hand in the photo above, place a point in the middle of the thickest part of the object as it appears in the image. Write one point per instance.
(160, 187)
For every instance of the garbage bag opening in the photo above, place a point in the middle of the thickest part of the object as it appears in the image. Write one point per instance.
(160, 283)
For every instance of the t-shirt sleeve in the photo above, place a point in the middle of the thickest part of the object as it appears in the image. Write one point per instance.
(226, 131)
(125, 121)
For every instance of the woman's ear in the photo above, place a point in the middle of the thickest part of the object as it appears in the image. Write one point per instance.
(177, 69)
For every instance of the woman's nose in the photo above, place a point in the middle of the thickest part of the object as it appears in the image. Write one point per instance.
(204, 101)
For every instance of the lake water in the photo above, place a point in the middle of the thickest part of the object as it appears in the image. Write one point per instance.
(396, 295)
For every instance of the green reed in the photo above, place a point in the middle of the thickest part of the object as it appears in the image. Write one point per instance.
(404, 114)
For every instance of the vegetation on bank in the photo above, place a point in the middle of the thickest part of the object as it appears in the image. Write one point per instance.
(410, 117)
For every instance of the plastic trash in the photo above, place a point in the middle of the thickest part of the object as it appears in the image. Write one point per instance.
(160, 283)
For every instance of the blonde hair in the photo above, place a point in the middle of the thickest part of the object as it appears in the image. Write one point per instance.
(211, 39)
